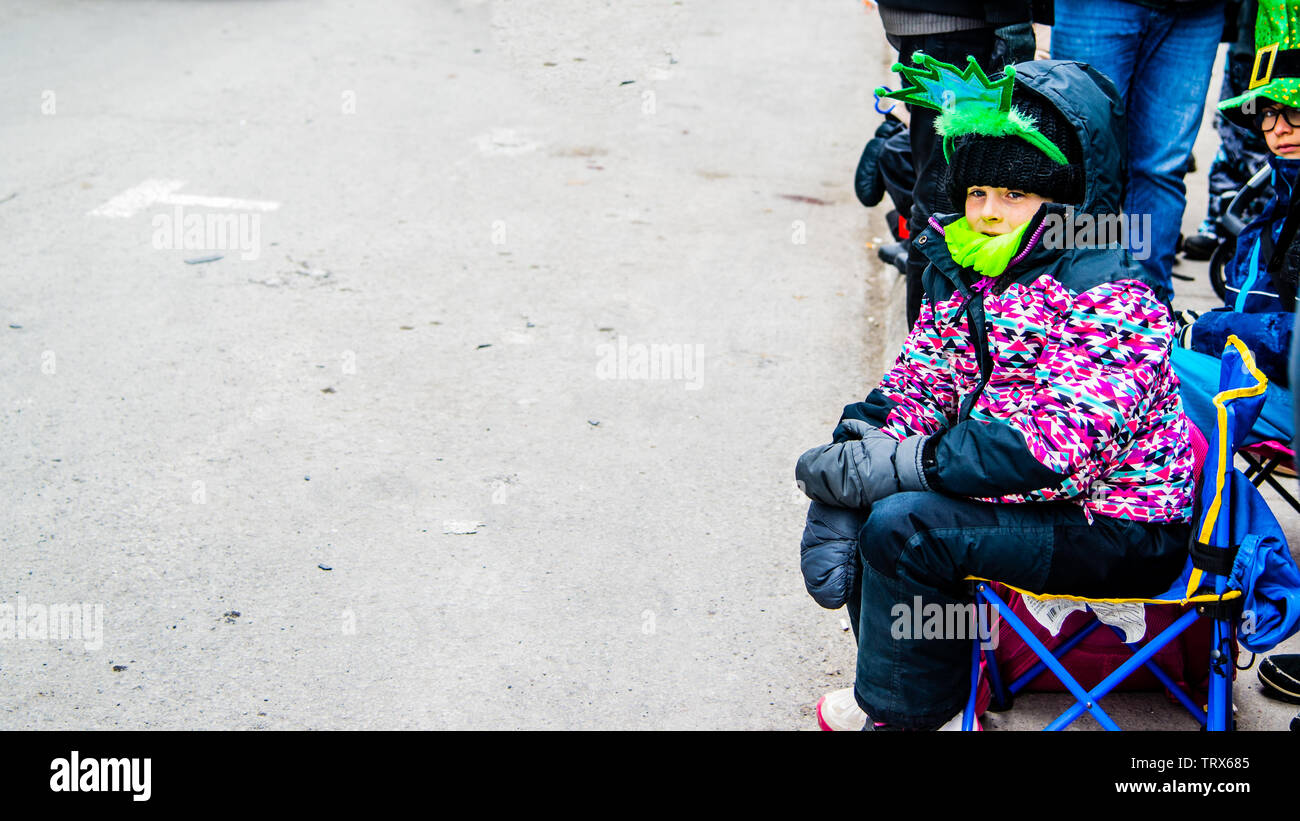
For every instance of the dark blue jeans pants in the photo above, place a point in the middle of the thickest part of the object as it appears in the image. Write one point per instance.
(916, 549)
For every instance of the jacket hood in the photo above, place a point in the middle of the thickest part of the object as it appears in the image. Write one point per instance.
(1091, 104)
(1285, 172)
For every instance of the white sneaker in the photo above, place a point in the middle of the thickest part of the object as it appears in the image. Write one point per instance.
(840, 711)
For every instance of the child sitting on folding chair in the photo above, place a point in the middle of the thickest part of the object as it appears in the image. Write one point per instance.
(1031, 430)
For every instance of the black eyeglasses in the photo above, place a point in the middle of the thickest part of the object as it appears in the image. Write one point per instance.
(1266, 120)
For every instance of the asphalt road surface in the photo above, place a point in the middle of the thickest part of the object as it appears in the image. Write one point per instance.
(581, 278)
(486, 415)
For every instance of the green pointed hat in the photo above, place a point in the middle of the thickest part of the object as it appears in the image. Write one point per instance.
(1276, 71)
(969, 103)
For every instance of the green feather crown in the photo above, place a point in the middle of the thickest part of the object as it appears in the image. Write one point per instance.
(970, 103)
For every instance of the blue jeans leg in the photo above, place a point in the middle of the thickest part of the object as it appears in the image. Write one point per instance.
(1103, 33)
(1161, 62)
(1165, 104)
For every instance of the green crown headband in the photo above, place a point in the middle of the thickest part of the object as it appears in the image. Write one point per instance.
(970, 103)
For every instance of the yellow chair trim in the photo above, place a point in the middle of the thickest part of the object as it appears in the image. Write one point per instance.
(1203, 597)
(1221, 421)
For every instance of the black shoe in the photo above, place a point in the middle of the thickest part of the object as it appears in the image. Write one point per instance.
(1200, 246)
(895, 253)
(1280, 675)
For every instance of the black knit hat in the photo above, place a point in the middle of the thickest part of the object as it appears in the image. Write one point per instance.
(1011, 162)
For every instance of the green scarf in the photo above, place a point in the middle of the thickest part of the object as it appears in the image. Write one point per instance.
(987, 255)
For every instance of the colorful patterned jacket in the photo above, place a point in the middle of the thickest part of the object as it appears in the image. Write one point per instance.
(1060, 395)
(1052, 381)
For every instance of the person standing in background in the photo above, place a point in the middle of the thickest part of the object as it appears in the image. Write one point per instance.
(996, 34)
(1160, 54)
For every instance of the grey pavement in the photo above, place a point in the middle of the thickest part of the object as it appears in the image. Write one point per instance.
(490, 216)
(486, 417)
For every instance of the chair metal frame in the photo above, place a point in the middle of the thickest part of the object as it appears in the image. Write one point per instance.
(1263, 460)
(1217, 716)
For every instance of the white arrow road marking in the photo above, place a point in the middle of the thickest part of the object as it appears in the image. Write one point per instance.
(163, 192)
(219, 202)
(133, 199)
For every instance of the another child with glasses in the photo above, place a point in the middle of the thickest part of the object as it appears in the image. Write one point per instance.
(1261, 286)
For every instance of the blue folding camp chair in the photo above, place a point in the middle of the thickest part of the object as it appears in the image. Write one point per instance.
(1239, 571)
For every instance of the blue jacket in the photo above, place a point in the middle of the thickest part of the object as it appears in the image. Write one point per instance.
(1250, 288)
(1254, 313)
